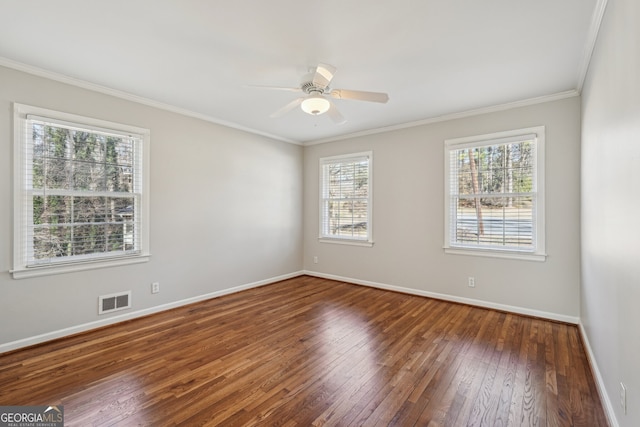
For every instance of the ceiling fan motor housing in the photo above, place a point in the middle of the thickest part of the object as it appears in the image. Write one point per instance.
(311, 89)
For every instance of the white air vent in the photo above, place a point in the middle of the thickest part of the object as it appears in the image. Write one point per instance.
(114, 302)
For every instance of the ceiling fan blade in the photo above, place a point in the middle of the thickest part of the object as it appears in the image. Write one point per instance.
(335, 115)
(284, 110)
(290, 89)
(360, 95)
(323, 75)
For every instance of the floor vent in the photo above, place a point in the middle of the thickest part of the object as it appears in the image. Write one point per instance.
(114, 302)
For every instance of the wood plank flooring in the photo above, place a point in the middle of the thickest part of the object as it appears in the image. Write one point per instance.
(313, 352)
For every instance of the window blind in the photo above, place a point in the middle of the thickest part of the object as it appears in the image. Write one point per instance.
(346, 197)
(493, 194)
(82, 189)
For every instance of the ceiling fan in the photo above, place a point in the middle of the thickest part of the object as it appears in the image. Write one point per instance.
(317, 93)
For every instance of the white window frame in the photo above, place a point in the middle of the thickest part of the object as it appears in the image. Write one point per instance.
(538, 253)
(325, 237)
(22, 194)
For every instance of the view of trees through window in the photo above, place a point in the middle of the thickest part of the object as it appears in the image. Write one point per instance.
(346, 190)
(83, 198)
(494, 194)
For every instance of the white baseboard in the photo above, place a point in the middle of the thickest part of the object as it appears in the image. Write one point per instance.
(452, 298)
(604, 397)
(14, 345)
(602, 391)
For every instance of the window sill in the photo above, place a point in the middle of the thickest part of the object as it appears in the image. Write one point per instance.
(523, 256)
(364, 243)
(24, 273)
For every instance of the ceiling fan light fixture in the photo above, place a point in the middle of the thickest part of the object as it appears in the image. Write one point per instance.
(315, 105)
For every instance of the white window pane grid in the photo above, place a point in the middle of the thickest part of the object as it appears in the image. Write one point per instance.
(65, 158)
(347, 218)
(345, 199)
(82, 192)
(507, 222)
(497, 169)
(492, 196)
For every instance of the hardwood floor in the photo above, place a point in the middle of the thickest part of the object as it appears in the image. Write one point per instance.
(313, 352)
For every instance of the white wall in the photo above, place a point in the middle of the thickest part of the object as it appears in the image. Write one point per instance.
(408, 216)
(611, 205)
(226, 211)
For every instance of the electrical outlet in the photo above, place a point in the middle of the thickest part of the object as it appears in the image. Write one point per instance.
(471, 281)
(315, 259)
(623, 398)
(155, 287)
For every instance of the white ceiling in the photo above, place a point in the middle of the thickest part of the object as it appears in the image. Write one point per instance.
(433, 57)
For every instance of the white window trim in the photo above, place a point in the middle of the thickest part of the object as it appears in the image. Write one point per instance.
(20, 270)
(368, 242)
(539, 254)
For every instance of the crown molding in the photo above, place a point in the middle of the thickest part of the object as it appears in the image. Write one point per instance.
(62, 78)
(36, 71)
(453, 116)
(592, 38)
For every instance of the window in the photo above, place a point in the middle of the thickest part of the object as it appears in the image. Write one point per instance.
(345, 199)
(80, 194)
(494, 194)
